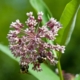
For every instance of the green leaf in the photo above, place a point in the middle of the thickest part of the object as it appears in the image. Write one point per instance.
(68, 20)
(46, 74)
(39, 5)
(77, 77)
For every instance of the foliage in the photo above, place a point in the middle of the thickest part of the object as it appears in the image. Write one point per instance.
(67, 19)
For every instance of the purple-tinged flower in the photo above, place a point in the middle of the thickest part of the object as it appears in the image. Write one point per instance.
(29, 44)
(31, 22)
(29, 14)
(17, 25)
(40, 14)
(59, 48)
(53, 25)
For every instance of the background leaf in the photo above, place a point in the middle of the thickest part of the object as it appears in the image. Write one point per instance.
(39, 5)
(47, 73)
(77, 77)
(68, 20)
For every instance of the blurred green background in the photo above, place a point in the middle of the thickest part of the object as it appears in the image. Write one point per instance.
(10, 10)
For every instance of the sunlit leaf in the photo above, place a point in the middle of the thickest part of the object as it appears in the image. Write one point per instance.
(39, 5)
(68, 20)
(46, 74)
(77, 77)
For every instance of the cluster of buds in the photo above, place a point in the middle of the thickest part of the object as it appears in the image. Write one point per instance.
(30, 45)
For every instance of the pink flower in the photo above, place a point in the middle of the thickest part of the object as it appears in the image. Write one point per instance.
(16, 25)
(29, 44)
(31, 22)
(40, 14)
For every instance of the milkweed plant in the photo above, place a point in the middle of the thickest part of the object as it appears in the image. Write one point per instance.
(31, 43)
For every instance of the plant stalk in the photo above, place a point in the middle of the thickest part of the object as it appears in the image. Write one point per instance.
(60, 70)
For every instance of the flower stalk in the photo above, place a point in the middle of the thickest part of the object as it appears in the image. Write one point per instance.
(60, 70)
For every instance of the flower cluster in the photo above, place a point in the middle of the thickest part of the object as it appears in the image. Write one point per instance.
(30, 45)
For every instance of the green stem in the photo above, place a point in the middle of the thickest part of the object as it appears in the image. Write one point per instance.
(58, 64)
(59, 70)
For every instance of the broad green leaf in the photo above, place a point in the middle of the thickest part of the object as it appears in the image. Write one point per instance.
(39, 5)
(68, 20)
(46, 74)
(77, 77)
(5, 50)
